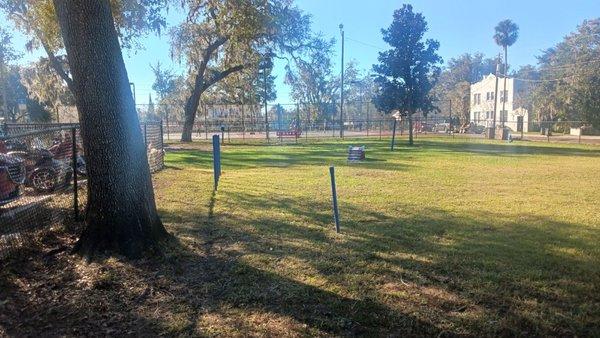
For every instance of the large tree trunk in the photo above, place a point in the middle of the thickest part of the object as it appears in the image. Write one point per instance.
(188, 123)
(121, 214)
(201, 84)
(191, 107)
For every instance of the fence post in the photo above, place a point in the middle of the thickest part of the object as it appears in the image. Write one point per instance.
(216, 159)
(336, 215)
(74, 164)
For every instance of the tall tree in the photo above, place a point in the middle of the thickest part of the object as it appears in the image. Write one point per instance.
(47, 87)
(312, 79)
(223, 37)
(16, 94)
(164, 80)
(407, 73)
(527, 78)
(121, 214)
(7, 55)
(570, 77)
(165, 83)
(507, 33)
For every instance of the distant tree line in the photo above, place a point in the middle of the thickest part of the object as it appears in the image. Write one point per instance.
(563, 86)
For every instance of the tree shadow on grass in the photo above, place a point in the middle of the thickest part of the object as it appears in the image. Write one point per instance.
(506, 273)
(188, 292)
(284, 157)
(288, 273)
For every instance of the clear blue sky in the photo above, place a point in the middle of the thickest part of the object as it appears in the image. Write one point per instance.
(459, 25)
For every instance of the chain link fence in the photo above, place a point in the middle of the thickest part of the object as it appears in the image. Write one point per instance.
(43, 178)
(297, 121)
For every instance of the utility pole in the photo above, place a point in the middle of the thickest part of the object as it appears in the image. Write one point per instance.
(496, 97)
(504, 96)
(342, 87)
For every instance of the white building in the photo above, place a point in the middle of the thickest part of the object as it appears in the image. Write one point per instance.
(482, 104)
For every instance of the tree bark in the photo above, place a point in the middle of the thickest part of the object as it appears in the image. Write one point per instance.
(121, 215)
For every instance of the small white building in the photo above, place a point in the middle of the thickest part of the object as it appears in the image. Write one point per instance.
(482, 104)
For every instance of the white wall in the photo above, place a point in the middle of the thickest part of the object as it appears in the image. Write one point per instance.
(482, 111)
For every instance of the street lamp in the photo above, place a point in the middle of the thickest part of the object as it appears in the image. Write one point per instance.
(342, 87)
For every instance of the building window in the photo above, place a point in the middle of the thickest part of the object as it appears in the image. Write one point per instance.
(503, 116)
(487, 115)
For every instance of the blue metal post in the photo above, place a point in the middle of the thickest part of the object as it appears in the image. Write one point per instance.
(216, 159)
(336, 215)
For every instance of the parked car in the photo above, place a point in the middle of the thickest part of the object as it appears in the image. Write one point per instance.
(12, 176)
(441, 127)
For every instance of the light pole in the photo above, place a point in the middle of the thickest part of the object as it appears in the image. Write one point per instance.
(495, 98)
(342, 87)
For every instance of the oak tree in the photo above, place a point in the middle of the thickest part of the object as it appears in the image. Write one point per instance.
(121, 215)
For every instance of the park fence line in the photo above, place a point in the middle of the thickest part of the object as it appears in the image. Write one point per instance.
(360, 118)
(43, 178)
(438, 125)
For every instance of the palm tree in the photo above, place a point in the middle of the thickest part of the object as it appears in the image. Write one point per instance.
(507, 33)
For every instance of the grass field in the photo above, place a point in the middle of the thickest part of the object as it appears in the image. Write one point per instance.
(450, 237)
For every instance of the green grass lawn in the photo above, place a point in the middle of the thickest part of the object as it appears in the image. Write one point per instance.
(449, 236)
